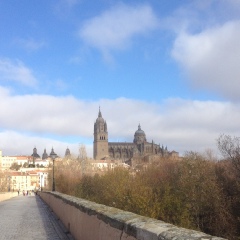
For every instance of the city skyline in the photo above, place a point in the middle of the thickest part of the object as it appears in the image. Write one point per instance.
(172, 67)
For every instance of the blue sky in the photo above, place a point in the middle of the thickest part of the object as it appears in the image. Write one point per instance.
(172, 66)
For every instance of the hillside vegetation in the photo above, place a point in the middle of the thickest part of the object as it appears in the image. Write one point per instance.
(195, 192)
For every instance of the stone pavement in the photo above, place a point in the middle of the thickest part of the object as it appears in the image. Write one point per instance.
(28, 217)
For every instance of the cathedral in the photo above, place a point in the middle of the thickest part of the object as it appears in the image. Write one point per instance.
(124, 151)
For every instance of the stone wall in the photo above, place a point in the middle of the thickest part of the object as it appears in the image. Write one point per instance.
(7, 195)
(87, 220)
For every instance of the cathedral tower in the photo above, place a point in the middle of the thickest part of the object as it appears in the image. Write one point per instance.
(100, 144)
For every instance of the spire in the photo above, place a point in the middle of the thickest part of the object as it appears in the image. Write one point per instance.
(99, 113)
(45, 155)
(35, 150)
(139, 126)
(67, 152)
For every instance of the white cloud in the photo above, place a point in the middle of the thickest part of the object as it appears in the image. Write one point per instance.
(63, 8)
(68, 3)
(30, 44)
(16, 71)
(4, 92)
(15, 143)
(115, 28)
(180, 124)
(211, 58)
(198, 15)
(44, 114)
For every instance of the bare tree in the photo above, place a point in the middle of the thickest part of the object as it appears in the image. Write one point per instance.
(230, 148)
(3, 182)
(82, 152)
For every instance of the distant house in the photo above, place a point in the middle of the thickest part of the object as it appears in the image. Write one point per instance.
(26, 180)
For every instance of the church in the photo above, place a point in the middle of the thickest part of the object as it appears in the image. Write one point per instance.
(125, 151)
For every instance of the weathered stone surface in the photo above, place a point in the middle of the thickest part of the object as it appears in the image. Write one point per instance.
(28, 217)
(112, 223)
(7, 195)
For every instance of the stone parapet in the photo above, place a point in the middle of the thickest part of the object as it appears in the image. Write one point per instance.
(7, 195)
(91, 221)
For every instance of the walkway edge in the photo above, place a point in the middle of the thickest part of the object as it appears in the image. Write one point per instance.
(89, 220)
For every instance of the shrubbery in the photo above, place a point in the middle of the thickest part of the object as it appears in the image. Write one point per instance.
(193, 192)
(187, 193)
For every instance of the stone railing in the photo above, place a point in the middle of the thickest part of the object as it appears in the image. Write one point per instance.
(7, 195)
(87, 220)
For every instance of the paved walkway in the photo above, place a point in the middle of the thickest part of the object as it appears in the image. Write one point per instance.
(28, 217)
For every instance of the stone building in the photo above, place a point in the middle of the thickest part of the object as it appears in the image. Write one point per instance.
(124, 151)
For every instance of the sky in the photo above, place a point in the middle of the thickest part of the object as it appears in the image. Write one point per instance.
(171, 66)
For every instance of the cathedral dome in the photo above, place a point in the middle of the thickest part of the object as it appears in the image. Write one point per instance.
(139, 136)
(139, 131)
(35, 154)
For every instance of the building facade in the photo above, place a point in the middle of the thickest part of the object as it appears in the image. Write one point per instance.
(25, 180)
(124, 151)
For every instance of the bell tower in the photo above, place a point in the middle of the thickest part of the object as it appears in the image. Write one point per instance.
(100, 143)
